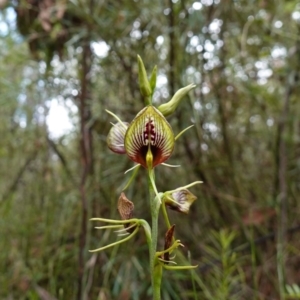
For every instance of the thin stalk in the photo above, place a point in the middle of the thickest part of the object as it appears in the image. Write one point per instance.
(165, 215)
(155, 267)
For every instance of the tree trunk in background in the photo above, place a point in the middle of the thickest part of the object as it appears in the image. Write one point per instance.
(86, 157)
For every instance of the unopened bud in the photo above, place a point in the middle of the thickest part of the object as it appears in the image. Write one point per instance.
(145, 87)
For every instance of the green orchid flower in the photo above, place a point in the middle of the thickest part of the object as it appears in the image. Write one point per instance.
(180, 200)
(148, 140)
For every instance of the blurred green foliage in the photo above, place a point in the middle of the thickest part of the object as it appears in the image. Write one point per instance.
(244, 58)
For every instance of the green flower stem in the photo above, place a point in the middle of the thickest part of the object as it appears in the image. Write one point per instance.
(166, 217)
(155, 267)
(157, 276)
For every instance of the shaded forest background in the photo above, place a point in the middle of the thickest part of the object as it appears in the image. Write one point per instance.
(243, 230)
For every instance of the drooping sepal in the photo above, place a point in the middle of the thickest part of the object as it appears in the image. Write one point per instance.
(149, 139)
(116, 136)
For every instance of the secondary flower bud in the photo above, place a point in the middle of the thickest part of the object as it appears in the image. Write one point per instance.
(168, 108)
(179, 200)
(149, 139)
(115, 137)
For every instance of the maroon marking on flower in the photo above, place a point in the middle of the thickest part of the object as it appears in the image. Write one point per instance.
(149, 130)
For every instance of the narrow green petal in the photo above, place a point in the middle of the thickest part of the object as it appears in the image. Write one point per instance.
(149, 129)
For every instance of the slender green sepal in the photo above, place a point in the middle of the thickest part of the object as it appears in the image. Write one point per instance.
(117, 118)
(182, 132)
(109, 227)
(175, 245)
(153, 79)
(122, 222)
(167, 267)
(134, 167)
(118, 242)
(186, 186)
(133, 175)
(170, 166)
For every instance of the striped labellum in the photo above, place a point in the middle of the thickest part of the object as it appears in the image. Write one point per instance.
(149, 135)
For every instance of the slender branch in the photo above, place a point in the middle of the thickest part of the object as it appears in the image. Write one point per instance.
(282, 167)
(172, 48)
(18, 177)
(86, 159)
(61, 158)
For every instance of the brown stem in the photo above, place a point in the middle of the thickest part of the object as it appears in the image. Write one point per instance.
(282, 167)
(172, 54)
(85, 157)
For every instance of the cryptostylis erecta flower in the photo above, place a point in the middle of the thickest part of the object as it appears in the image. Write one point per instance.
(148, 140)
